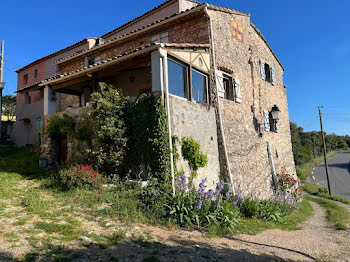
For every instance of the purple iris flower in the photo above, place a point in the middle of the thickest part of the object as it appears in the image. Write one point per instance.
(199, 204)
(217, 202)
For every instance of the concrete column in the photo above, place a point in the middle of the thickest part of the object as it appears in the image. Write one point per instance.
(49, 101)
(157, 72)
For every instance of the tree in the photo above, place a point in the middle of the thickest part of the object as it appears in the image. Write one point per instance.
(107, 111)
(9, 107)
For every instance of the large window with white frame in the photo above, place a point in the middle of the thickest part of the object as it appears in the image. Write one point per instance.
(186, 82)
(178, 78)
(199, 86)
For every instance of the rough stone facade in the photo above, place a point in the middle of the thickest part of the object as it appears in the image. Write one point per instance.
(246, 150)
(196, 120)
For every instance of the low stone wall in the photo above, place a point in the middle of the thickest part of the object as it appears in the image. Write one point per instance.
(49, 147)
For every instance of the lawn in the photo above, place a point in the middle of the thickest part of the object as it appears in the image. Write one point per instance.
(37, 217)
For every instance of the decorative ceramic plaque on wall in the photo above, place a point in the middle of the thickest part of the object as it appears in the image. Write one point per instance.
(237, 31)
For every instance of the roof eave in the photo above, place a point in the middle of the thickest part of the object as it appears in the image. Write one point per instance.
(135, 32)
(55, 53)
(263, 38)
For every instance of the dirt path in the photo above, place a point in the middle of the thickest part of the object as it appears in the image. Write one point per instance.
(20, 239)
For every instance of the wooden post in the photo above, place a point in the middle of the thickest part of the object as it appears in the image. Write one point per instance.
(324, 150)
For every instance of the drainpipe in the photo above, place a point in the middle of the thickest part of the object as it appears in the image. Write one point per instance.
(165, 90)
(217, 95)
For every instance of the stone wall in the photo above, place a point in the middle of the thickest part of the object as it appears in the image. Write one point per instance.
(196, 120)
(49, 147)
(247, 151)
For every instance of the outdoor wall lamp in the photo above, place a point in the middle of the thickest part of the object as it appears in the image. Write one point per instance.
(276, 113)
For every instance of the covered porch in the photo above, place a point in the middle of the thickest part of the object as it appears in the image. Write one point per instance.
(147, 69)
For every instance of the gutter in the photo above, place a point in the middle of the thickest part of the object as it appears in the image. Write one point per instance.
(218, 98)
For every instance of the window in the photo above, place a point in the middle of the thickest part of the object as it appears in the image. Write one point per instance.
(178, 79)
(228, 87)
(36, 73)
(161, 38)
(199, 86)
(25, 79)
(267, 72)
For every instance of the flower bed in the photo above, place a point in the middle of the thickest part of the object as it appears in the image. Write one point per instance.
(79, 176)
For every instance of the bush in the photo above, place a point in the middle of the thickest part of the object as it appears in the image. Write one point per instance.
(60, 127)
(201, 208)
(287, 184)
(148, 142)
(269, 210)
(79, 176)
(191, 152)
(108, 114)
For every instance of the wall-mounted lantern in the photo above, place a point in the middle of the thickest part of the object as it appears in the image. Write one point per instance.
(276, 113)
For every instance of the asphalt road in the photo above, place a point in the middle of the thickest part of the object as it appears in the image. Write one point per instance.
(339, 173)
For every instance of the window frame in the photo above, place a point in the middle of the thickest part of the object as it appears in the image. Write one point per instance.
(231, 86)
(187, 84)
(207, 84)
(35, 73)
(188, 80)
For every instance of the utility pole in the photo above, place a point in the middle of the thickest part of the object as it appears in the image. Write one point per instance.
(2, 84)
(324, 150)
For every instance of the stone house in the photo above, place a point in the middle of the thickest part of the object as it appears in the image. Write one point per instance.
(220, 80)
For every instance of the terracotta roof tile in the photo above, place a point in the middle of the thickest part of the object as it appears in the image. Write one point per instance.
(122, 36)
(181, 45)
(55, 53)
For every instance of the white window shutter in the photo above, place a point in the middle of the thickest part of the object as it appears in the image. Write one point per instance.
(237, 88)
(273, 75)
(220, 83)
(262, 69)
(267, 120)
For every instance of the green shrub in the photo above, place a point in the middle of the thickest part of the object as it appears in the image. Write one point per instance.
(108, 114)
(287, 184)
(60, 127)
(79, 176)
(202, 208)
(269, 210)
(148, 143)
(191, 152)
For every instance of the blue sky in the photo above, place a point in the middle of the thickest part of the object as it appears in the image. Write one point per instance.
(310, 37)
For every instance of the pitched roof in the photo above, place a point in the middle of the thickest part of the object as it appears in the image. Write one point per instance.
(130, 33)
(263, 38)
(55, 53)
(141, 16)
(114, 59)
